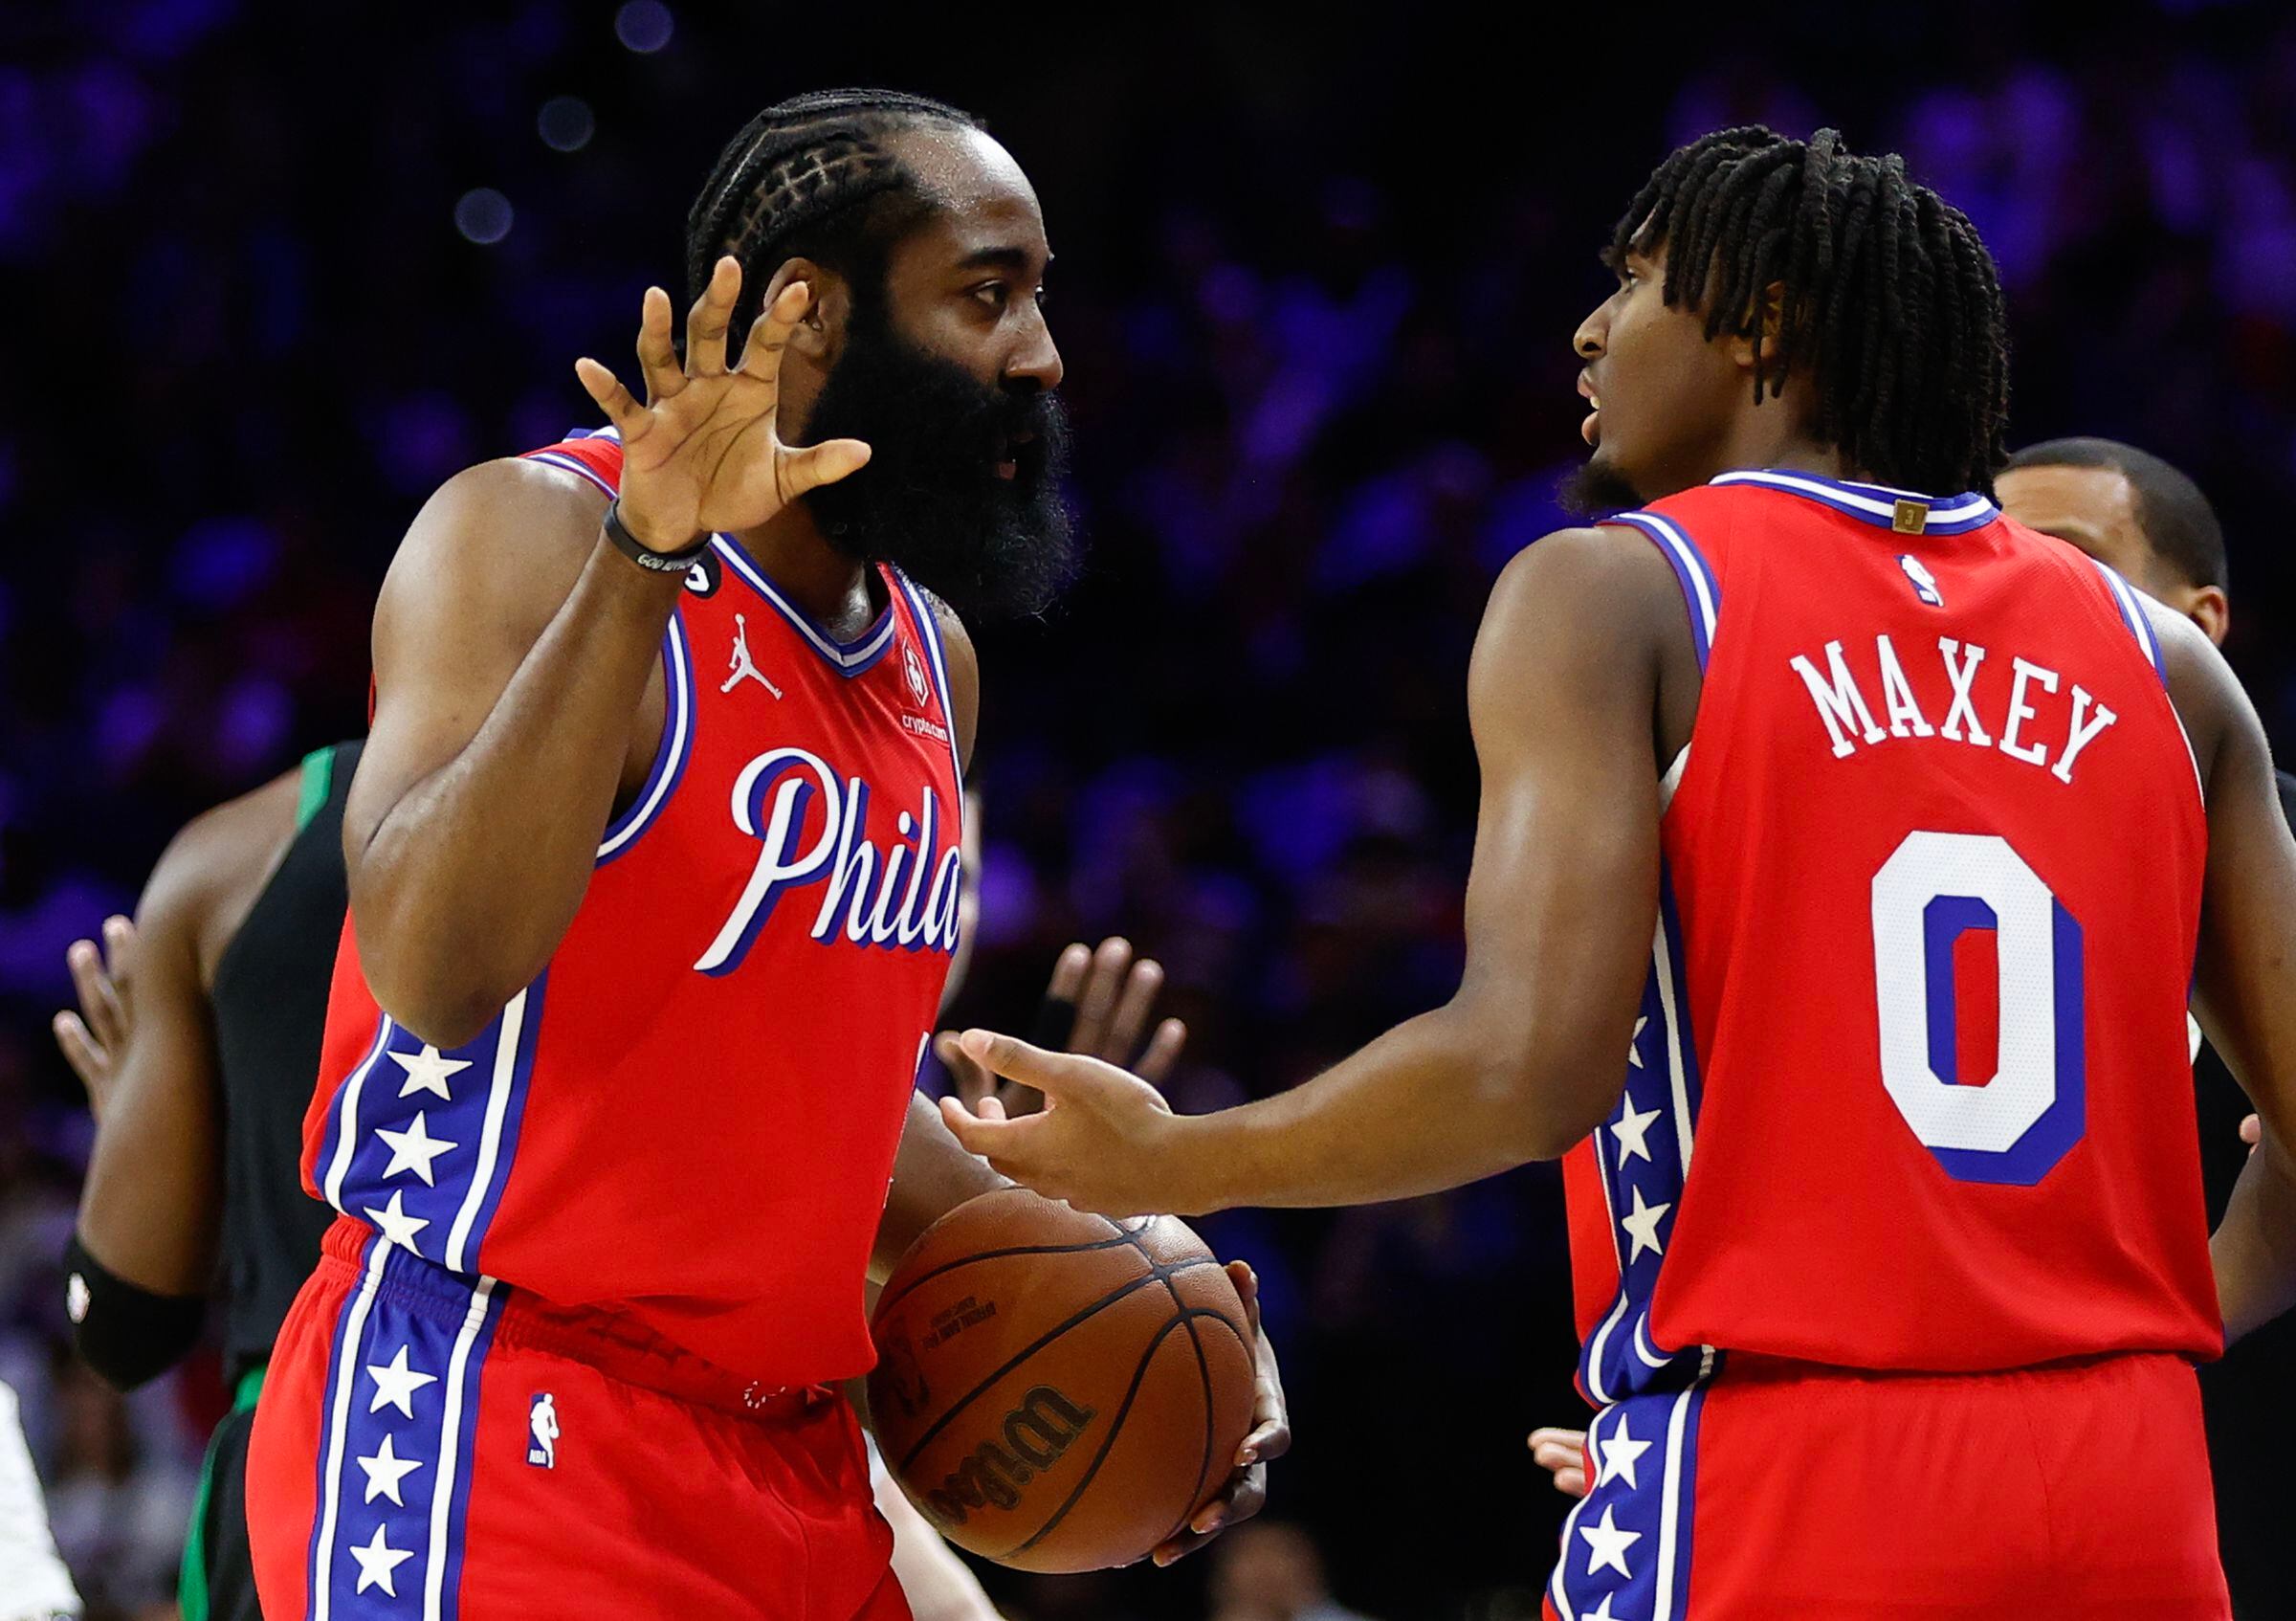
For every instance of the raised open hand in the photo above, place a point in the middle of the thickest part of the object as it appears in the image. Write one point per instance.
(704, 454)
(1098, 1003)
(93, 1037)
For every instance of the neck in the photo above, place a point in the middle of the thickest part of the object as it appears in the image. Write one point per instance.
(1762, 438)
(837, 592)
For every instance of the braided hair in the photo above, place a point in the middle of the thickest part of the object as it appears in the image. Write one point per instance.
(812, 177)
(1890, 300)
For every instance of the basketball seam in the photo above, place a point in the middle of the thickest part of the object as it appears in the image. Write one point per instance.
(1155, 1274)
(1204, 1372)
(1116, 1425)
(915, 1283)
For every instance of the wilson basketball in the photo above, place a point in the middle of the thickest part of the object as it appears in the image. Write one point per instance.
(1059, 1391)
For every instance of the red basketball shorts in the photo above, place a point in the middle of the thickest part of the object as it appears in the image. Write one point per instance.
(431, 1447)
(2078, 1492)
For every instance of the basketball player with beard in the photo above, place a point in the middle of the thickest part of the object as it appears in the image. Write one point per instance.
(653, 873)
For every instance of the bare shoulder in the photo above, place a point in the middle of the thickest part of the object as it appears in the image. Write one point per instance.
(208, 877)
(504, 537)
(1603, 579)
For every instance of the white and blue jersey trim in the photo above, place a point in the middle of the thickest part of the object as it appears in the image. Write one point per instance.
(846, 658)
(1626, 1545)
(419, 1141)
(1701, 591)
(2132, 615)
(670, 755)
(928, 628)
(1874, 503)
(1643, 1158)
(394, 1468)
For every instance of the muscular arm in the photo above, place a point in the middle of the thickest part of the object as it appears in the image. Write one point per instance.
(2244, 990)
(1528, 1056)
(151, 1211)
(513, 649)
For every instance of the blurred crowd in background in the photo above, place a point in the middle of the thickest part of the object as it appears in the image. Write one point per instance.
(267, 283)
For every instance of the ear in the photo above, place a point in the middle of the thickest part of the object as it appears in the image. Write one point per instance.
(2210, 609)
(1767, 318)
(821, 334)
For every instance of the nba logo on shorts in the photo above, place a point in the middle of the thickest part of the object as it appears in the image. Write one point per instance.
(541, 1420)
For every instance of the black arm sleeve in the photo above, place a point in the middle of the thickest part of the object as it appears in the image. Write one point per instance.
(124, 1333)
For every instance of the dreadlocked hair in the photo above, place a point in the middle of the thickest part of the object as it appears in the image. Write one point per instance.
(1890, 298)
(812, 176)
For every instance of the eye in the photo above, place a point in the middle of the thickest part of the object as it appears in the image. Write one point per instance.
(995, 295)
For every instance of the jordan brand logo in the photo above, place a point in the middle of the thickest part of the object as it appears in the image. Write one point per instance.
(744, 664)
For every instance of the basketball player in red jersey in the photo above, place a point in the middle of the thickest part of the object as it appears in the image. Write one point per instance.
(653, 874)
(1872, 842)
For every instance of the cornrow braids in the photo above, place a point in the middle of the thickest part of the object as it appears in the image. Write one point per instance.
(812, 176)
(1889, 297)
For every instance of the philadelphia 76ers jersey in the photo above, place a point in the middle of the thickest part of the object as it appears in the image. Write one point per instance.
(1910, 1085)
(691, 1116)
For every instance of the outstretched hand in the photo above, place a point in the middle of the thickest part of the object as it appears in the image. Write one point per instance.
(93, 1038)
(1098, 1003)
(1105, 1142)
(704, 454)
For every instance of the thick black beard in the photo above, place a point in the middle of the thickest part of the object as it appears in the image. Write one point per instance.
(930, 501)
(1597, 490)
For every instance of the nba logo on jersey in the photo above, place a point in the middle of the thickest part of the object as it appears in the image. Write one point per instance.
(542, 1422)
(1925, 583)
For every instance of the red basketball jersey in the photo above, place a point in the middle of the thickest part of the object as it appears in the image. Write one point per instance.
(691, 1116)
(1910, 1085)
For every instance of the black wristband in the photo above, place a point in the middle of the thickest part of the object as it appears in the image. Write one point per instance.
(645, 556)
(124, 1332)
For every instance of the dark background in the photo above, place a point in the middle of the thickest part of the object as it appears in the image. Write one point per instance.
(1318, 273)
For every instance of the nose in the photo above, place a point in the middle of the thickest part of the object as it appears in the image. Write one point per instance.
(1592, 333)
(1037, 358)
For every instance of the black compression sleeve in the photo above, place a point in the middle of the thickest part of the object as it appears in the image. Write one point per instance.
(125, 1333)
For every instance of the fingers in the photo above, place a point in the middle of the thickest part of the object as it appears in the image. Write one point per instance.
(1163, 1052)
(99, 998)
(119, 957)
(2252, 1130)
(1247, 1494)
(1068, 973)
(1097, 1001)
(1141, 988)
(707, 321)
(658, 355)
(769, 334)
(1562, 1453)
(1050, 1073)
(88, 1060)
(972, 1082)
(606, 390)
(983, 1133)
(797, 471)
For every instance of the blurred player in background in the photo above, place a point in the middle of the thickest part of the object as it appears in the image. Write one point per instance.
(34, 1584)
(197, 1038)
(1873, 830)
(654, 884)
